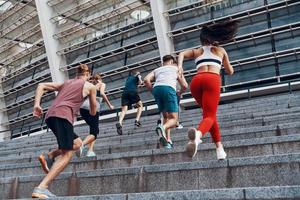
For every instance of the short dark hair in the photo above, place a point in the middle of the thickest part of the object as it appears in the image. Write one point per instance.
(167, 58)
(132, 72)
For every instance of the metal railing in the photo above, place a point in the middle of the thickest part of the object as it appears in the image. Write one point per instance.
(26, 52)
(224, 88)
(15, 9)
(19, 22)
(105, 36)
(20, 38)
(42, 59)
(89, 23)
(75, 10)
(237, 16)
(120, 50)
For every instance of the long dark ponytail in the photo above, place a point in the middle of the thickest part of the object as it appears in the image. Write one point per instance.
(219, 33)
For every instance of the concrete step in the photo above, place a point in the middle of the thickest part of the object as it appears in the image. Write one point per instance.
(197, 112)
(274, 117)
(228, 120)
(278, 99)
(234, 149)
(247, 193)
(260, 171)
(108, 129)
(148, 140)
(261, 137)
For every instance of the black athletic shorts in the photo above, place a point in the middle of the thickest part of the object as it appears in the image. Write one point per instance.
(92, 121)
(129, 98)
(63, 131)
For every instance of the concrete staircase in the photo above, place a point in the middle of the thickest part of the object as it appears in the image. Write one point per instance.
(261, 137)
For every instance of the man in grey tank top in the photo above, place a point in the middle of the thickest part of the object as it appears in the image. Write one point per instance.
(59, 119)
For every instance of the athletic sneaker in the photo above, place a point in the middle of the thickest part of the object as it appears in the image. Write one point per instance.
(158, 122)
(192, 146)
(119, 128)
(165, 144)
(137, 123)
(90, 154)
(171, 144)
(180, 126)
(46, 162)
(42, 193)
(81, 151)
(168, 146)
(221, 154)
(160, 131)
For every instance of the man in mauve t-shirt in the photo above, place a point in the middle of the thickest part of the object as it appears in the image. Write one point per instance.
(60, 119)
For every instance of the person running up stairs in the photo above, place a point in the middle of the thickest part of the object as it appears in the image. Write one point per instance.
(164, 92)
(129, 97)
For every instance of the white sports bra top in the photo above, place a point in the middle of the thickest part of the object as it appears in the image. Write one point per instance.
(208, 58)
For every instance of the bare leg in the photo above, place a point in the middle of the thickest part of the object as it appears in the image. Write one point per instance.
(91, 146)
(219, 144)
(139, 110)
(122, 114)
(165, 120)
(77, 144)
(168, 133)
(54, 153)
(165, 117)
(57, 152)
(58, 166)
(172, 120)
(89, 139)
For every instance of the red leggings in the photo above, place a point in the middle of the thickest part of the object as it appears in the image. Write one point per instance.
(205, 88)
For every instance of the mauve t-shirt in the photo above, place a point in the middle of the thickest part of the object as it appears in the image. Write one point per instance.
(68, 100)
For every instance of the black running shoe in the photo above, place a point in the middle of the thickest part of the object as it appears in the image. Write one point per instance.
(137, 123)
(119, 128)
(159, 122)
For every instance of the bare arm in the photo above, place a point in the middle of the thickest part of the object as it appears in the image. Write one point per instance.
(228, 67)
(182, 82)
(140, 79)
(147, 80)
(185, 54)
(102, 93)
(41, 89)
(92, 99)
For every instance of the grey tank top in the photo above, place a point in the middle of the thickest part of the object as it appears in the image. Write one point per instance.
(86, 103)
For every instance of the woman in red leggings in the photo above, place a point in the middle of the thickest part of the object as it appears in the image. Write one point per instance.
(205, 85)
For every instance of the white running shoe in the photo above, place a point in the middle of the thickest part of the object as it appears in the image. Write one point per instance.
(221, 154)
(42, 193)
(90, 154)
(195, 140)
(81, 151)
(180, 126)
